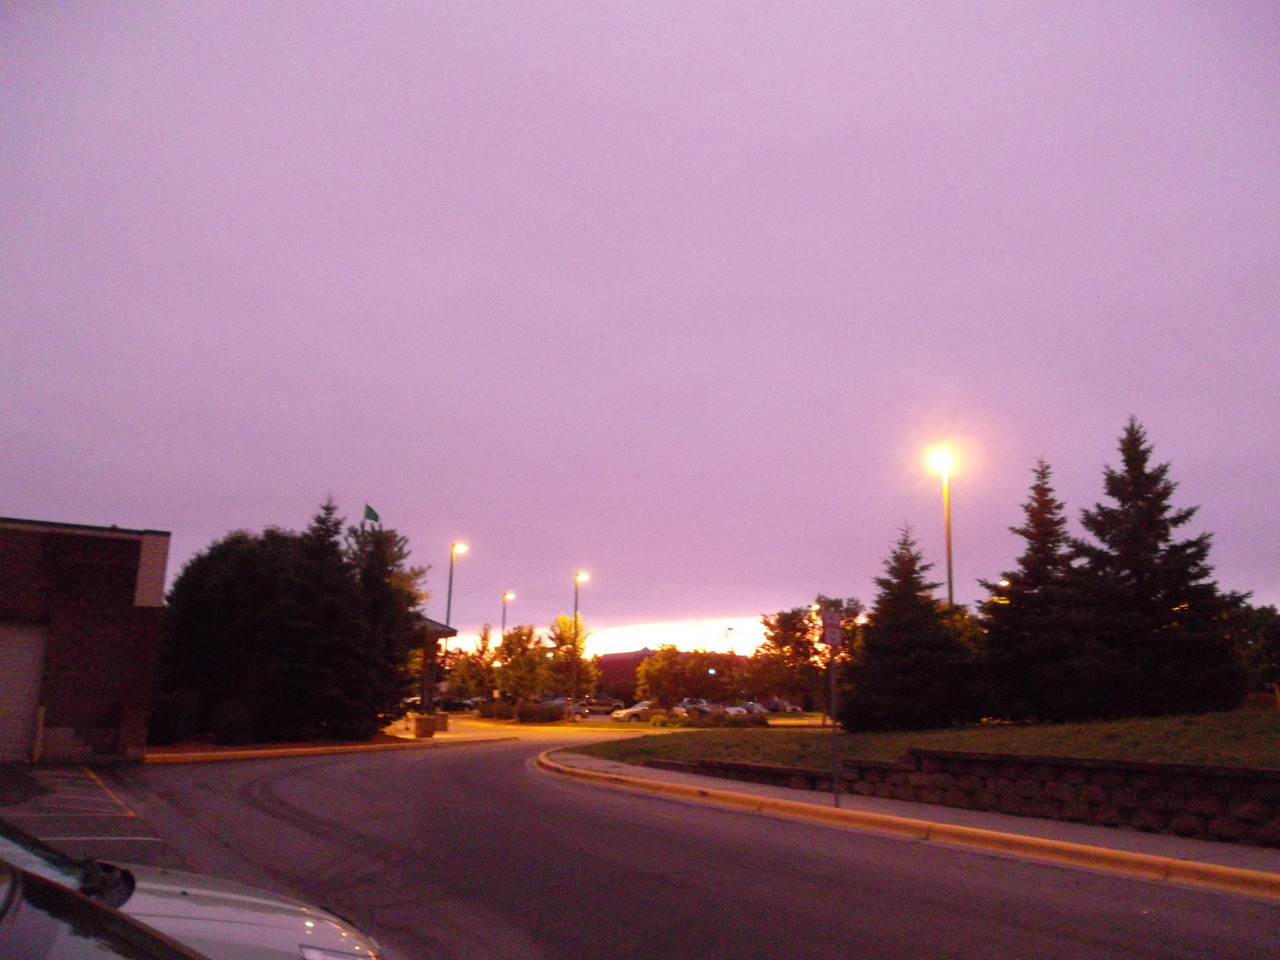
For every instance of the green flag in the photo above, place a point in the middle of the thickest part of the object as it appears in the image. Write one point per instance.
(371, 514)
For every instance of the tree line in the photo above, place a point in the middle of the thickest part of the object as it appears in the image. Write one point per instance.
(525, 665)
(1125, 621)
(288, 636)
(319, 634)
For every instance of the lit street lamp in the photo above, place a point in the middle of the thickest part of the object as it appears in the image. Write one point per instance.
(454, 550)
(506, 598)
(941, 461)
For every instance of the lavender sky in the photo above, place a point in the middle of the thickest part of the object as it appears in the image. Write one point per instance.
(674, 292)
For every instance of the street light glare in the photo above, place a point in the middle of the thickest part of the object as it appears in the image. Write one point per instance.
(941, 460)
(459, 548)
(583, 577)
(508, 595)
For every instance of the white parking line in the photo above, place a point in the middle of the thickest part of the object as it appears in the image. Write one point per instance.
(74, 793)
(97, 839)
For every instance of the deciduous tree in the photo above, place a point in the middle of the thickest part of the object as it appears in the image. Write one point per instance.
(520, 665)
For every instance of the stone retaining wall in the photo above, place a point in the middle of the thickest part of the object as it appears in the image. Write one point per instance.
(1212, 803)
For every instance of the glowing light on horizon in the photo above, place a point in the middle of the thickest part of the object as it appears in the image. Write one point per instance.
(722, 635)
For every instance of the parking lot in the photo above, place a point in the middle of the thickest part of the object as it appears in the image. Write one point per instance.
(77, 810)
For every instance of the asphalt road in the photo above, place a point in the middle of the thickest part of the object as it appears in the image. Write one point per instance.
(472, 852)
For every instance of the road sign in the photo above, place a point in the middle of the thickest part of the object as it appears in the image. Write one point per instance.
(831, 632)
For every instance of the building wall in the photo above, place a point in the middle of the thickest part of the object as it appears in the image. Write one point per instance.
(98, 595)
(622, 667)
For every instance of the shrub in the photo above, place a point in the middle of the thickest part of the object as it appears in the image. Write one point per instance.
(497, 710)
(539, 713)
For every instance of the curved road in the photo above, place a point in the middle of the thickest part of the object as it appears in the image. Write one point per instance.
(472, 852)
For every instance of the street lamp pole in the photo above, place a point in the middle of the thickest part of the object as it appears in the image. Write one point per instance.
(579, 579)
(506, 598)
(942, 461)
(454, 549)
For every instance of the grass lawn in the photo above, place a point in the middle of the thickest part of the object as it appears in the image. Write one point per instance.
(1241, 738)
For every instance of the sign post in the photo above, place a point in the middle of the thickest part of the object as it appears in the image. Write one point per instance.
(832, 634)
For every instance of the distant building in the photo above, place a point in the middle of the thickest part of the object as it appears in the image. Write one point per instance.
(621, 667)
(81, 612)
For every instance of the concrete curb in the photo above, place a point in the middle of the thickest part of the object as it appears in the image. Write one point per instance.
(1253, 883)
(216, 756)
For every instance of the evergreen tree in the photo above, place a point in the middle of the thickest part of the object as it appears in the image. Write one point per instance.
(390, 594)
(1032, 668)
(287, 636)
(219, 656)
(332, 674)
(912, 671)
(1156, 620)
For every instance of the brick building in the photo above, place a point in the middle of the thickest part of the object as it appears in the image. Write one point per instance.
(81, 611)
(622, 667)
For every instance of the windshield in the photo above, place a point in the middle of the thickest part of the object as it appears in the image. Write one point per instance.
(100, 881)
(35, 856)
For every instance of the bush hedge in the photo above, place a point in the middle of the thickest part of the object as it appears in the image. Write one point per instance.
(497, 710)
(539, 713)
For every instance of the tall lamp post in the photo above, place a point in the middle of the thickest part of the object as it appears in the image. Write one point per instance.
(506, 598)
(455, 548)
(941, 461)
(579, 579)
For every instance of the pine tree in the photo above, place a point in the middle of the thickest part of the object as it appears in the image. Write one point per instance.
(331, 665)
(912, 671)
(1032, 669)
(390, 592)
(1155, 617)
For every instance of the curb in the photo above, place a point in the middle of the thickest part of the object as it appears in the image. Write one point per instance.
(1252, 883)
(217, 756)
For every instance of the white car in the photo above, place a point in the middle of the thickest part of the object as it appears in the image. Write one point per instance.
(220, 918)
(639, 713)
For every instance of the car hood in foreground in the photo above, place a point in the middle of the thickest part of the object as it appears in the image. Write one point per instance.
(233, 921)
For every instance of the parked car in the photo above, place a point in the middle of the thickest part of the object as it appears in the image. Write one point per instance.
(453, 704)
(222, 919)
(752, 707)
(781, 706)
(603, 704)
(639, 712)
(735, 711)
(40, 918)
(579, 710)
(692, 707)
